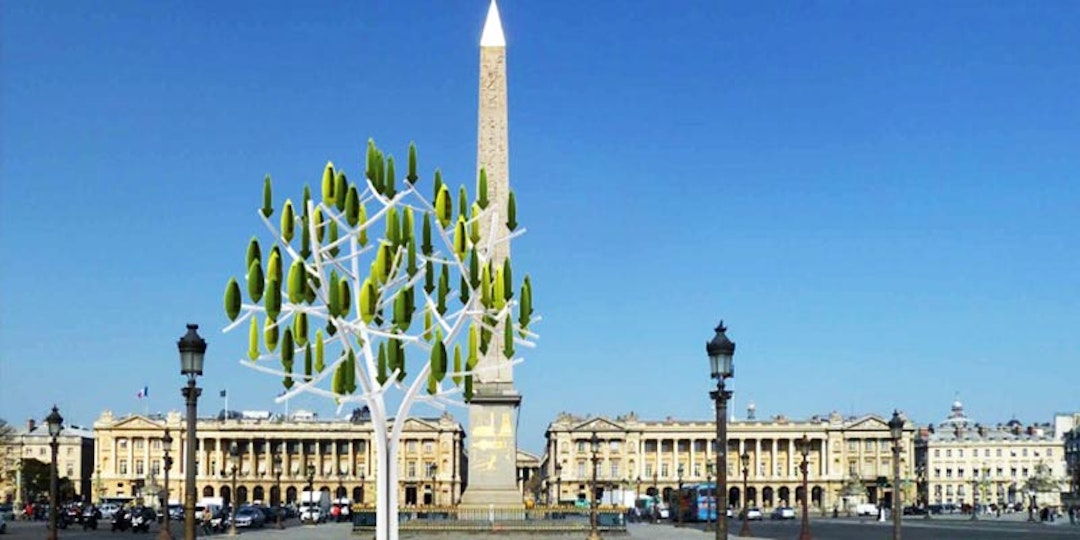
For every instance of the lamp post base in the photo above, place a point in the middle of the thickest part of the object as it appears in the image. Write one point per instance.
(164, 533)
(593, 535)
(744, 531)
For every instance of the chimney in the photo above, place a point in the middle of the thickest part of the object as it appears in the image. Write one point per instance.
(30, 425)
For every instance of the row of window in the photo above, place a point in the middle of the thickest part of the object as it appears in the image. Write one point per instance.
(291, 447)
(986, 452)
(990, 473)
(41, 451)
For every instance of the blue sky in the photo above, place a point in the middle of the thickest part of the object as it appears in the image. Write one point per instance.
(880, 199)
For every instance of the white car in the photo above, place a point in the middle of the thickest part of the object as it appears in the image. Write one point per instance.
(783, 512)
(753, 514)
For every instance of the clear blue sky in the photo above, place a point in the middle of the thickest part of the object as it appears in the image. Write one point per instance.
(882, 200)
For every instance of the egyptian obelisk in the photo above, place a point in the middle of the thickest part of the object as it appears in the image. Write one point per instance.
(493, 411)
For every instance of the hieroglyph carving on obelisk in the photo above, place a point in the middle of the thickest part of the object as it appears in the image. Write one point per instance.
(493, 411)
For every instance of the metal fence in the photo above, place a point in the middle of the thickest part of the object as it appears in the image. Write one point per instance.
(496, 519)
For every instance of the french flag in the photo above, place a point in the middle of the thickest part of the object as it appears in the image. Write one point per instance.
(143, 392)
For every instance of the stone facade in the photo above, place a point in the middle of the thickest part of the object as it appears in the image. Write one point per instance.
(129, 456)
(74, 458)
(1072, 462)
(966, 463)
(645, 456)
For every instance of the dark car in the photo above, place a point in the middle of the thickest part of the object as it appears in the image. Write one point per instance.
(270, 513)
(250, 516)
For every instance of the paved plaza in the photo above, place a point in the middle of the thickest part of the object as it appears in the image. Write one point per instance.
(940, 528)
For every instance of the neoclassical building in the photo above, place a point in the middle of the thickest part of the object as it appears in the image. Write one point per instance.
(848, 458)
(1072, 461)
(963, 462)
(74, 458)
(129, 457)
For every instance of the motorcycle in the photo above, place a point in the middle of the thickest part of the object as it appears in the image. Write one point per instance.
(90, 518)
(121, 520)
(141, 519)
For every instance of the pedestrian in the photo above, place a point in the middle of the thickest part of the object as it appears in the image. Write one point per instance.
(1072, 515)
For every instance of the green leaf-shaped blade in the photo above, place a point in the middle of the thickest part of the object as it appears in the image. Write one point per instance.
(412, 177)
(444, 207)
(368, 301)
(426, 247)
(508, 337)
(320, 351)
(341, 190)
(256, 281)
(300, 328)
(270, 334)
(288, 221)
(254, 252)
(458, 364)
(253, 339)
(272, 298)
(268, 198)
(482, 189)
(390, 189)
(352, 206)
(511, 212)
(232, 299)
(328, 184)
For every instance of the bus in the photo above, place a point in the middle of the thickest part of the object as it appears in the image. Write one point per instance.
(696, 502)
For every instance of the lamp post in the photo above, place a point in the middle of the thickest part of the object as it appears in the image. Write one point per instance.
(637, 489)
(593, 534)
(192, 352)
(234, 457)
(277, 482)
(1031, 505)
(363, 479)
(744, 460)
(924, 475)
(166, 445)
(679, 496)
(311, 494)
(896, 429)
(721, 351)
(56, 424)
(804, 468)
(434, 486)
(709, 499)
(558, 484)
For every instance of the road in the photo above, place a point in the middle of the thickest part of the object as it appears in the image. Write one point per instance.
(821, 529)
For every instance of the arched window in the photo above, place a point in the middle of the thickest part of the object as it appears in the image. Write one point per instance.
(767, 497)
(208, 491)
(241, 495)
(258, 494)
(290, 495)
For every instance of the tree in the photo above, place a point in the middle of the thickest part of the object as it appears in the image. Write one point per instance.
(10, 460)
(1042, 481)
(404, 299)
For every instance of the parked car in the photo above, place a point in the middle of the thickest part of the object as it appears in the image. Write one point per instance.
(250, 517)
(753, 514)
(7, 512)
(914, 510)
(3, 524)
(783, 512)
(866, 509)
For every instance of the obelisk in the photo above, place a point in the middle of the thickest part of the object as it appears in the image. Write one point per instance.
(493, 411)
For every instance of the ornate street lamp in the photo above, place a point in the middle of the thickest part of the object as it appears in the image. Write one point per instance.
(166, 445)
(637, 490)
(558, 484)
(721, 351)
(234, 457)
(709, 498)
(277, 482)
(192, 351)
(744, 460)
(363, 479)
(311, 493)
(804, 467)
(896, 429)
(593, 533)
(434, 484)
(679, 497)
(56, 424)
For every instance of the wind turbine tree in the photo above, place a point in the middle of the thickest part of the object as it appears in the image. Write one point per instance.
(374, 288)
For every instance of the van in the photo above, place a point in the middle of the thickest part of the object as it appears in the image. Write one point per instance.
(866, 509)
